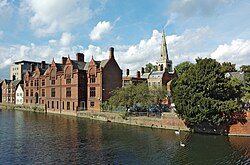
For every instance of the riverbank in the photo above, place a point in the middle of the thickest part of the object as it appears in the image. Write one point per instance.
(167, 120)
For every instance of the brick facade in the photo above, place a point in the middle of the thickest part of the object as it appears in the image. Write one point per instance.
(103, 77)
(73, 84)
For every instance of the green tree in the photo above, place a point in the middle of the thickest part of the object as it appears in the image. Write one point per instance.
(227, 67)
(130, 95)
(150, 67)
(203, 94)
(246, 90)
(182, 67)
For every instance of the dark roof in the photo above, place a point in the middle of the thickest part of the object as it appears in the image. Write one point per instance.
(59, 67)
(29, 62)
(42, 71)
(7, 82)
(78, 64)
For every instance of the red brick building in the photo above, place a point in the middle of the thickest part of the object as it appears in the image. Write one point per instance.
(66, 85)
(73, 84)
(34, 85)
(103, 77)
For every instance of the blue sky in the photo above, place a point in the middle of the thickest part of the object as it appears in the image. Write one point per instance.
(42, 30)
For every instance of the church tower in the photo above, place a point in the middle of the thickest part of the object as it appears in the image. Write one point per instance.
(164, 63)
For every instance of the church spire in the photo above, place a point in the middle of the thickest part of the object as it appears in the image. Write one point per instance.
(164, 63)
(164, 50)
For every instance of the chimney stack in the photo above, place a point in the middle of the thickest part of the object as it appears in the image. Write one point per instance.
(43, 65)
(111, 52)
(80, 57)
(13, 77)
(138, 74)
(64, 59)
(142, 70)
(127, 72)
(32, 67)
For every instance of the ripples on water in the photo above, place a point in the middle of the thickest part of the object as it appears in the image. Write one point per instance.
(31, 138)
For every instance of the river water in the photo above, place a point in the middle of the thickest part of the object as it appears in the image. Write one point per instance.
(34, 138)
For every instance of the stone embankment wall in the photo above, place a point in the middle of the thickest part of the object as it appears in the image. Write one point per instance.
(167, 121)
(33, 108)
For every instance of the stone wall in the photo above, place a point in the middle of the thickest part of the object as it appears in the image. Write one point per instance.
(167, 121)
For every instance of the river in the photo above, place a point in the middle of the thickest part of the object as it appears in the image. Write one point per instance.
(35, 138)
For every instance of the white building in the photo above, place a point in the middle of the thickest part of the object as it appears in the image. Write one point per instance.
(19, 94)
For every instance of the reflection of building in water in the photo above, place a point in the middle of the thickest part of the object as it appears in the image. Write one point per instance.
(241, 144)
(94, 142)
(56, 135)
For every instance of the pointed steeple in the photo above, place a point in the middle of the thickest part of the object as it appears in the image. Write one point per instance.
(164, 50)
(164, 63)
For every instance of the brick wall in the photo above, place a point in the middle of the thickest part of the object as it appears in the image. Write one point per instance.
(241, 128)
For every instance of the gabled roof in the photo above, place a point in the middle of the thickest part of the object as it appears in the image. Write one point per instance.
(16, 82)
(239, 75)
(21, 85)
(6, 82)
(102, 63)
(99, 64)
(12, 82)
(157, 74)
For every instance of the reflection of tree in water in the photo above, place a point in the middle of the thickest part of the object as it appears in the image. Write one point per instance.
(207, 149)
(127, 144)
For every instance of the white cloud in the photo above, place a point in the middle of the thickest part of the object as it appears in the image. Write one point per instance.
(48, 17)
(237, 52)
(180, 47)
(66, 39)
(100, 29)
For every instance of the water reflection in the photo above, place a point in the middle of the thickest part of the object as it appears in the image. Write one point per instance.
(30, 138)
